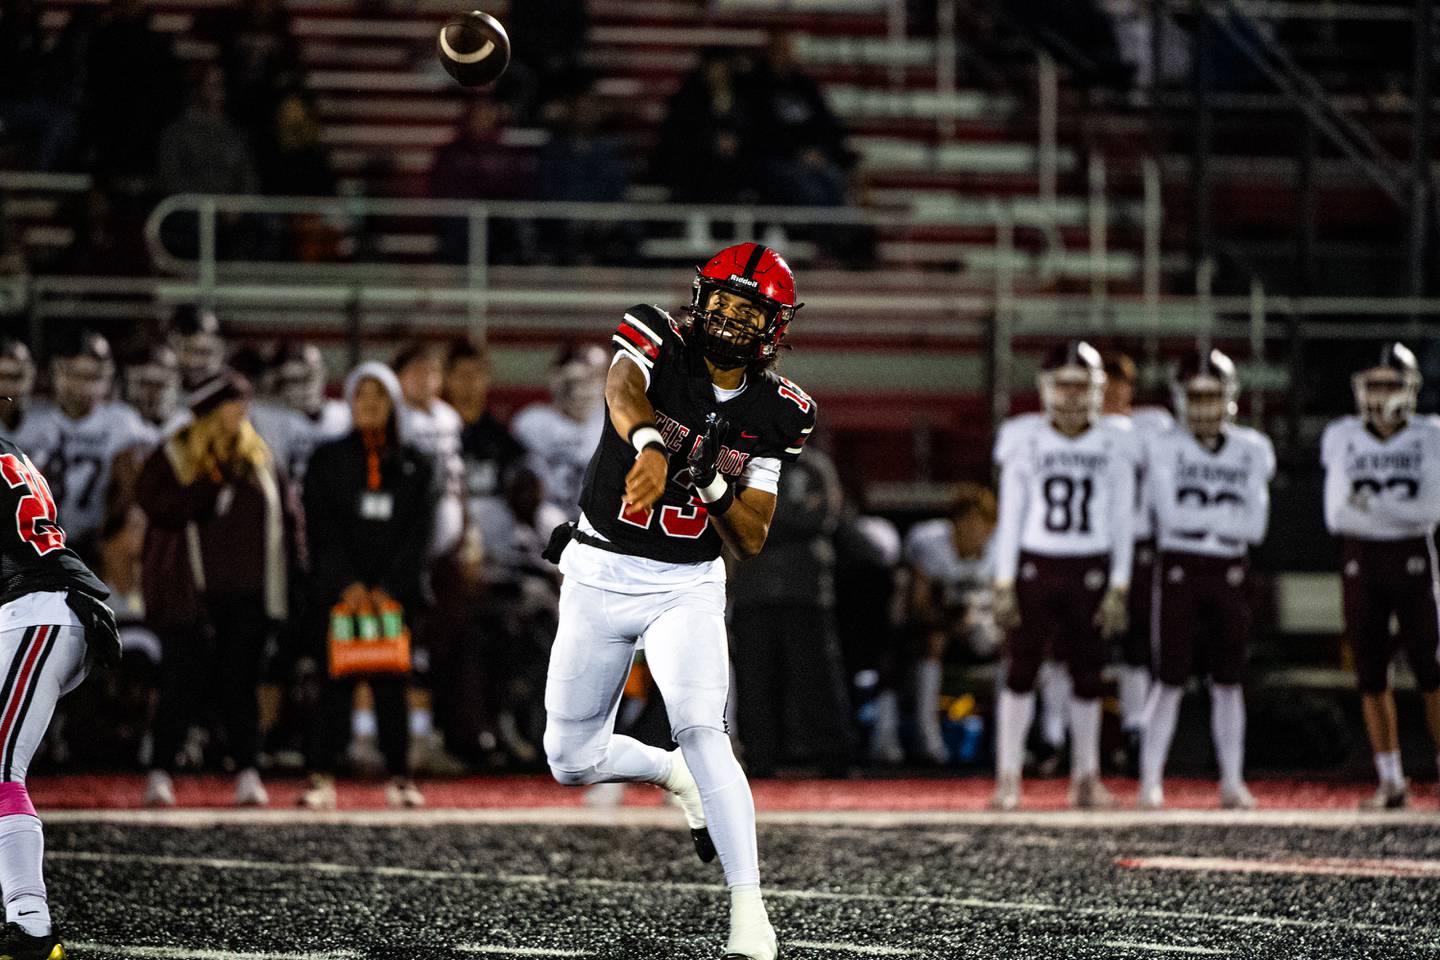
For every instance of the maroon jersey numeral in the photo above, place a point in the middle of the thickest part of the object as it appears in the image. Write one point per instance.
(35, 515)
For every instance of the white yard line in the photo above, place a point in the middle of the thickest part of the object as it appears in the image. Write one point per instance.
(1162, 947)
(866, 950)
(1301, 866)
(663, 817)
(489, 950)
(774, 893)
(192, 953)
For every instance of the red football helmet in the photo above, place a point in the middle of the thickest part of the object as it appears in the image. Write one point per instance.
(754, 273)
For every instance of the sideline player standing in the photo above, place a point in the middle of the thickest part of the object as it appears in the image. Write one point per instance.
(1067, 506)
(697, 427)
(1209, 482)
(1136, 648)
(50, 606)
(1382, 496)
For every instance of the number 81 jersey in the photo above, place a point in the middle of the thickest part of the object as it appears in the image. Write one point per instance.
(1064, 496)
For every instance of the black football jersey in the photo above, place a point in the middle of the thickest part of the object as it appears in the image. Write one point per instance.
(33, 554)
(772, 417)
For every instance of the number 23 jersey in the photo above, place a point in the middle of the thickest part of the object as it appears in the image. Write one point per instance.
(770, 419)
(1065, 496)
(1382, 489)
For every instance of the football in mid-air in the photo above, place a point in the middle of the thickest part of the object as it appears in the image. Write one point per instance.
(474, 48)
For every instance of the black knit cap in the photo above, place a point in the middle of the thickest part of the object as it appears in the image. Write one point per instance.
(220, 388)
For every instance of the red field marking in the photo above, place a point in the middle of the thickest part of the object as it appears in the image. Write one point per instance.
(967, 794)
(1316, 867)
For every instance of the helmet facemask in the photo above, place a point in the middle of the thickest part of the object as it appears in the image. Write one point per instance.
(1206, 404)
(300, 385)
(17, 378)
(202, 355)
(80, 384)
(1072, 397)
(736, 327)
(1386, 398)
(153, 389)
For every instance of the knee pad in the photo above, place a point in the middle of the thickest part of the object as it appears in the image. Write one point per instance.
(574, 778)
(571, 763)
(15, 801)
(706, 714)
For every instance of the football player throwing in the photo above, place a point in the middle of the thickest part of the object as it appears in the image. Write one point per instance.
(1209, 481)
(1062, 560)
(697, 427)
(1382, 498)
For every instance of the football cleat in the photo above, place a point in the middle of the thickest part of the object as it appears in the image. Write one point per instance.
(1088, 793)
(1007, 793)
(1388, 796)
(751, 935)
(682, 786)
(249, 791)
(19, 945)
(1151, 797)
(320, 794)
(1237, 797)
(402, 794)
(159, 789)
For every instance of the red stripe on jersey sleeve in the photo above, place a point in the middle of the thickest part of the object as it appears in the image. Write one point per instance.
(646, 345)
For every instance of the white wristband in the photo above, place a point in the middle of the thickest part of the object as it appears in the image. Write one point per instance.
(644, 436)
(715, 490)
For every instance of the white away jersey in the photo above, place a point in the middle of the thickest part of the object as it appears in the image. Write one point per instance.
(76, 457)
(1382, 489)
(930, 549)
(1215, 503)
(292, 436)
(559, 450)
(436, 432)
(1065, 496)
(1146, 422)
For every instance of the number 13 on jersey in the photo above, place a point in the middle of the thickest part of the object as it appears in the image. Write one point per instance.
(36, 519)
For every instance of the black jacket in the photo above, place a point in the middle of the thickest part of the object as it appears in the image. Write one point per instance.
(374, 537)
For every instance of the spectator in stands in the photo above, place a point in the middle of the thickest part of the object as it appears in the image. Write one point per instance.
(37, 115)
(1133, 22)
(223, 539)
(133, 88)
(559, 437)
(202, 151)
(548, 37)
(260, 59)
(477, 165)
(585, 162)
(803, 142)
(791, 692)
(706, 150)
(292, 160)
(370, 502)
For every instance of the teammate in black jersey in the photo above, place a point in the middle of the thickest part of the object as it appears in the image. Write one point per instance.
(698, 425)
(53, 624)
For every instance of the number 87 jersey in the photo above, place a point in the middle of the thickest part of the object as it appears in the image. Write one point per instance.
(1064, 496)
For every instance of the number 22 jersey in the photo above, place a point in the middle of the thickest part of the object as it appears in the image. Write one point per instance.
(1382, 489)
(770, 421)
(1065, 496)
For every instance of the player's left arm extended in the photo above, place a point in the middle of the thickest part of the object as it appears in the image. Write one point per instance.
(746, 522)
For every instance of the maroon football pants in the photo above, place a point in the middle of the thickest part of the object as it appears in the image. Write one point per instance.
(1058, 599)
(1381, 578)
(1202, 617)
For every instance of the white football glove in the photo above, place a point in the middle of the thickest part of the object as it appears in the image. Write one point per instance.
(1006, 608)
(1113, 617)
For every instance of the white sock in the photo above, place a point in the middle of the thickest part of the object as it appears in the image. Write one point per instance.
(1134, 689)
(885, 734)
(729, 807)
(631, 761)
(1054, 702)
(1084, 738)
(1388, 766)
(1164, 710)
(1013, 714)
(927, 700)
(22, 854)
(1227, 727)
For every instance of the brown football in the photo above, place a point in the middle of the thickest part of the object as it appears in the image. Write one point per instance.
(474, 48)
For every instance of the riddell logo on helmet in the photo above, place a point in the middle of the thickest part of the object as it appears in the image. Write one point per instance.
(736, 278)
